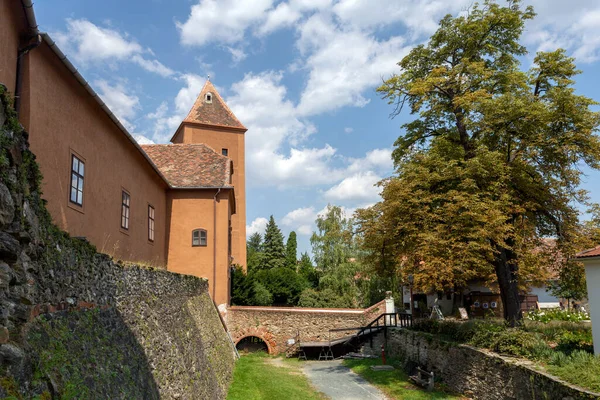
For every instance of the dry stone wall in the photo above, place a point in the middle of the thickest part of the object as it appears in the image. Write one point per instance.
(478, 374)
(76, 324)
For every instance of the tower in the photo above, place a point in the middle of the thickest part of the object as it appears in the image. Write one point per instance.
(211, 122)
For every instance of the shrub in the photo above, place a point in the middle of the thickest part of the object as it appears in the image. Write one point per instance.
(576, 341)
(546, 316)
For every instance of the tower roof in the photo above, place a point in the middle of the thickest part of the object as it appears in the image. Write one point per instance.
(191, 165)
(210, 109)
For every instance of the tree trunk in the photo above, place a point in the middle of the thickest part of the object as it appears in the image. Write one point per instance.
(507, 274)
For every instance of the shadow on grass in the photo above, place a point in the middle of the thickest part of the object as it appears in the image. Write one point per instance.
(395, 383)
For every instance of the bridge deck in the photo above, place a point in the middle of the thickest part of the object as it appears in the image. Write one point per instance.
(334, 342)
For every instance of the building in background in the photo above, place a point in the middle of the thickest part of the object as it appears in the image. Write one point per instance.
(180, 205)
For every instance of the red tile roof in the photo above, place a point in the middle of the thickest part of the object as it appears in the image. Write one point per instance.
(190, 165)
(595, 252)
(214, 112)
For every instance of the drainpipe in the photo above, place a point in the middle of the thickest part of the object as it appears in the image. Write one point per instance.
(215, 244)
(19, 83)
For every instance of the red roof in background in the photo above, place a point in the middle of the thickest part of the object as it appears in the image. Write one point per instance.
(595, 252)
(190, 165)
(214, 112)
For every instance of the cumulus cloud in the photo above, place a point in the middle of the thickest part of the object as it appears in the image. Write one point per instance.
(257, 226)
(221, 21)
(339, 76)
(125, 106)
(358, 188)
(88, 43)
(301, 220)
(571, 25)
(166, 118)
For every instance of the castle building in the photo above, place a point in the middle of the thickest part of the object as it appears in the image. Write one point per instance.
(180, 205)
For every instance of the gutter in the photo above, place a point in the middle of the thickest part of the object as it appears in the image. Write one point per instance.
(103, 105)
(215, 243)
(34, 29)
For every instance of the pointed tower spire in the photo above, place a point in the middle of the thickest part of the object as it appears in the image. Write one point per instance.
(210, 109)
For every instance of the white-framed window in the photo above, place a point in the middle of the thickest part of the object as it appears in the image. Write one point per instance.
(199, 238)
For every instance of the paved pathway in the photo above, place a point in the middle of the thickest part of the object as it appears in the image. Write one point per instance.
(339, 382)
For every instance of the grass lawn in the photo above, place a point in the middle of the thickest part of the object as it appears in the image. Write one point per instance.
(255, 378)
(395, 383)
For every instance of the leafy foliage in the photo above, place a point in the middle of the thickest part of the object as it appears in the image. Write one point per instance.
(308, 271)
(491, 165)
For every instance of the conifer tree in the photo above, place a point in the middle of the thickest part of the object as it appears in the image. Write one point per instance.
(254, 255)
(291, 251)
(273, 249)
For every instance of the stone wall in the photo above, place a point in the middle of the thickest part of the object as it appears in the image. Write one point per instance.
(76, 324)
(276, 325)
(477, 373)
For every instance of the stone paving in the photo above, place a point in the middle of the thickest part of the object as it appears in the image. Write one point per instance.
(339, 382)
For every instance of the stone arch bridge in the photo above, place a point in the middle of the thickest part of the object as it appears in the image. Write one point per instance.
(276, 325)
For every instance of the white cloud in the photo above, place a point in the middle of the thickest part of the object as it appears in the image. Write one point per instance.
(237, 54)
(348, 130)
(88, 43)
(282, 16)
(141, 139)
(571, 25)
(253, 101)
(301, 220)
(343, 64)
(256, 226)
(358, 188)
(152, 66)
(221, 21)
(123, 105)
(167, 119)
(379, 159)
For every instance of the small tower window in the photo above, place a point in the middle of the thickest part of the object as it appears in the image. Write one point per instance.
(208, 97)
(199, 237)
(225, 152)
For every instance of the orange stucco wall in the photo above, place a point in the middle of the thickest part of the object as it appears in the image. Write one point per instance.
(233, 141)
(12, 25)
(193, 209)
(61, 118)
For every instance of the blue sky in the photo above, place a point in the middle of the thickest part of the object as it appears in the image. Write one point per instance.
(300, 74)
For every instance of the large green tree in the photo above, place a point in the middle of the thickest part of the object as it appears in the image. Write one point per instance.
(491, 164)
(291, 251)
(273, 249)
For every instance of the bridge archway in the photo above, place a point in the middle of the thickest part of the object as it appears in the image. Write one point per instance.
(260, 333)
(252, 344)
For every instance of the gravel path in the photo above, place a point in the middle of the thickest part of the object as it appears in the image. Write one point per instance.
(339, 382)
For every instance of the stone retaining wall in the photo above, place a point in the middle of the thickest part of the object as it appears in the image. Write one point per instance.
(474, 372)
(76, 324)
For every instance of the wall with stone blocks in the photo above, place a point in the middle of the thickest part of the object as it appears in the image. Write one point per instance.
(479, 374)
(76, 324)
(276, 325)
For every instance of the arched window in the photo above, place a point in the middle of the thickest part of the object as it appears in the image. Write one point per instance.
(208, 97)
(199, 237)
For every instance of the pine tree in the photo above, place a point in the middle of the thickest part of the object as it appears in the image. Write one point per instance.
(291, 251)
(254, 255)
(273, 249)
(307, 271)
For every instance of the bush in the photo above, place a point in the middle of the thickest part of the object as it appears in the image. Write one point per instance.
(576, 341)
(546, 316)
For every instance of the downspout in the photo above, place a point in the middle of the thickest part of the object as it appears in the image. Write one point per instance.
(19, 83)
(215, 244)
(33, 29)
